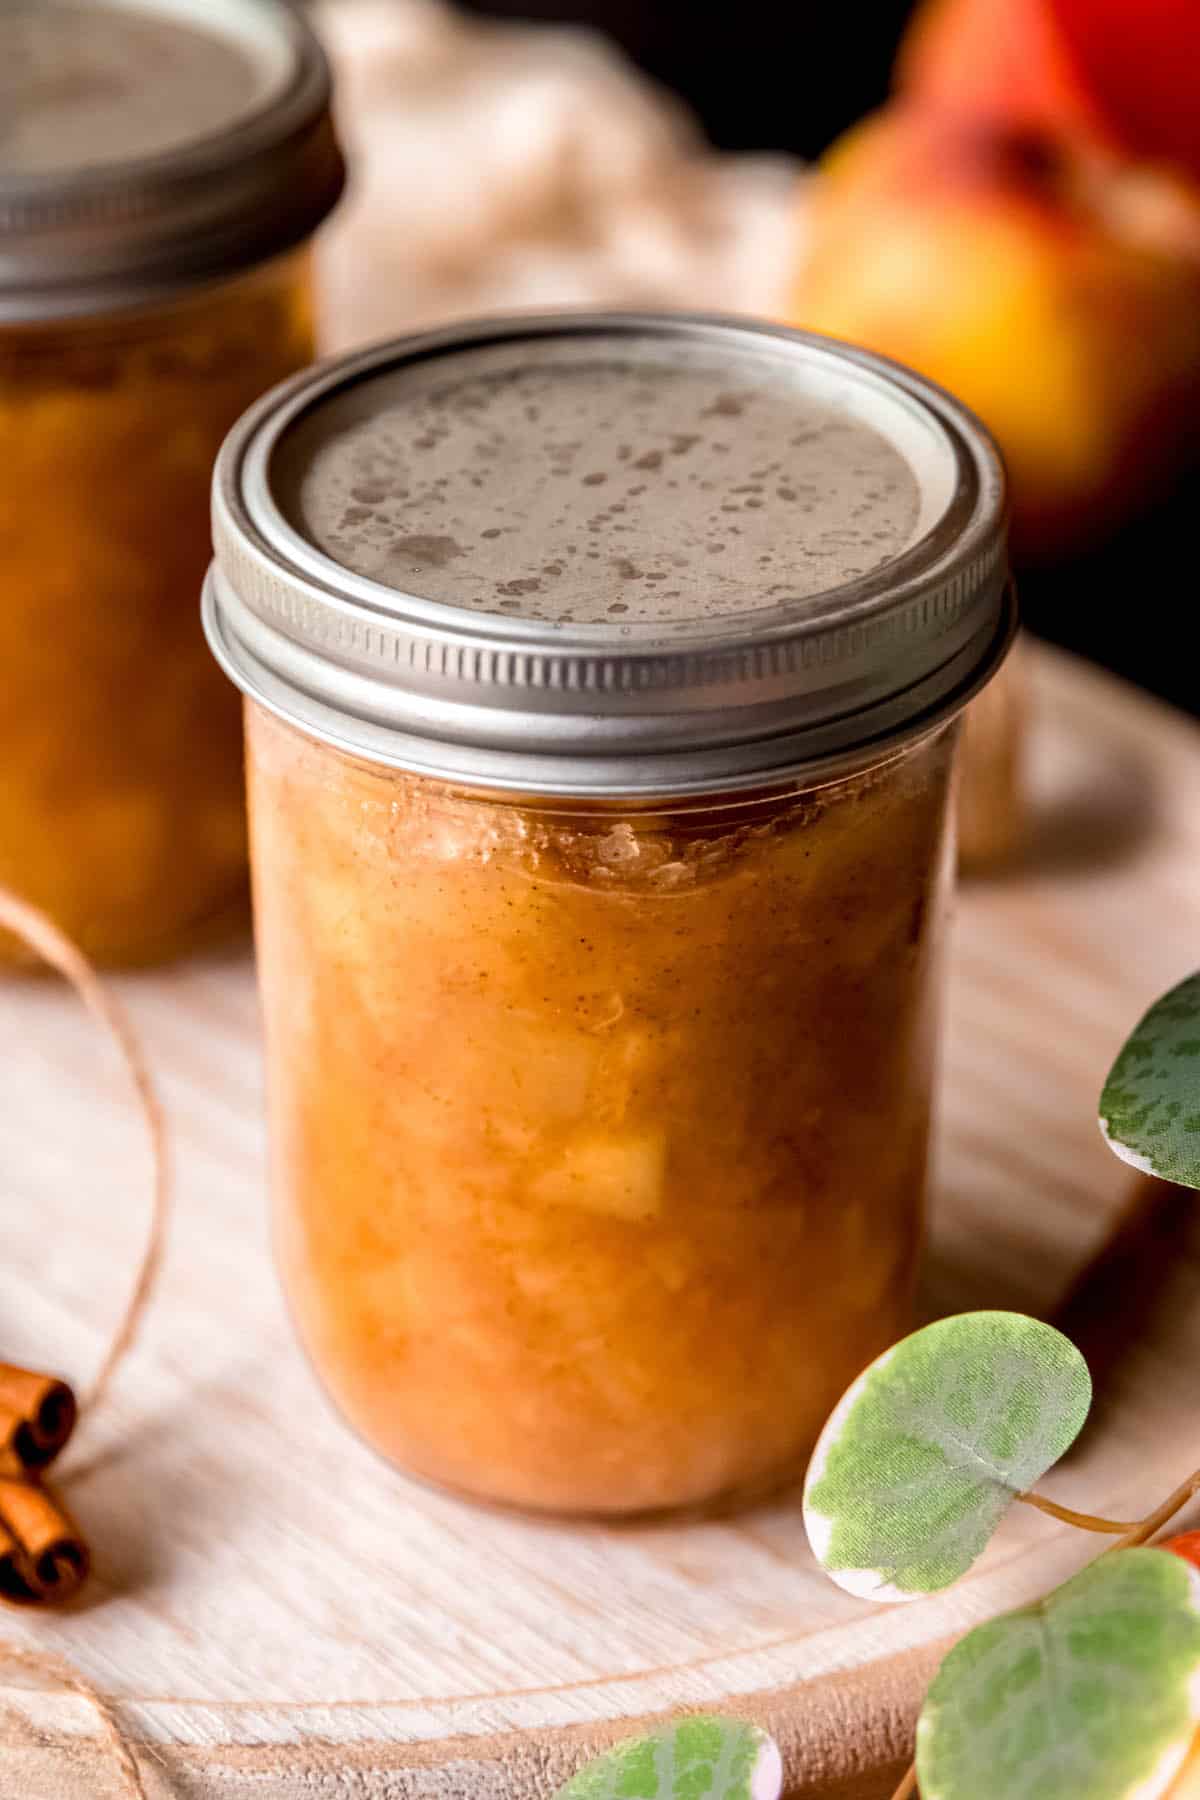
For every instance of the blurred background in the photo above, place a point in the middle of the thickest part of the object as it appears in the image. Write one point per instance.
(759, 76)
(1003, 193)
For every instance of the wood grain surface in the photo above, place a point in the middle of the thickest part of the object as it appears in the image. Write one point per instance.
(277, 1614)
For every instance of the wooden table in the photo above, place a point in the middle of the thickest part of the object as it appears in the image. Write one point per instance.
(279, 1616)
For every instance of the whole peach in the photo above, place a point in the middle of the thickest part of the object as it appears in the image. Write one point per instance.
(1125, 74)
(1058, 296)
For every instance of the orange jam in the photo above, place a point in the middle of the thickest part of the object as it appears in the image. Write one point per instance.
(121, 808)
(599, 1134)
(163, 167)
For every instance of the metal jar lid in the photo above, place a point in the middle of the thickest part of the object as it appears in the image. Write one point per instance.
(609, 554)
(146, 145)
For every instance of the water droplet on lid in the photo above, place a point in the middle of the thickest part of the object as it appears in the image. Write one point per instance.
(494, 452)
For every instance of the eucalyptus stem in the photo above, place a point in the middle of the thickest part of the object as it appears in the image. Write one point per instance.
(1145, 1529)
(1131, 1536)
(1084, 1521)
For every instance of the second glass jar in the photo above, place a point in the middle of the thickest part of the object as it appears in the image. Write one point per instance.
(121, 800)
(163, 172)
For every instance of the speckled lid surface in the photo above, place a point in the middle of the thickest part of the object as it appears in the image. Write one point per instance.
(148, 143)
(650, 484)
(609, 553)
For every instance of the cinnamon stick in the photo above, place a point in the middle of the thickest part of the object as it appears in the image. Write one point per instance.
(37, 1416)
(43, 1558)
(16, 1577)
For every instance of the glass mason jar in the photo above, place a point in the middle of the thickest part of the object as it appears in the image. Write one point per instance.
(164, 167)
(604, 676)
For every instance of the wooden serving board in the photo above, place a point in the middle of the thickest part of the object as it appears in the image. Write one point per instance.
(277, 1615)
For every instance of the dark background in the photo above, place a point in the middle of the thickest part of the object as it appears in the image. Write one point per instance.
(791, 77)
(761, 74)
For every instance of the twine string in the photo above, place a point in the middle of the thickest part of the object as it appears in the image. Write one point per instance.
(44, 1662)
(41, 935)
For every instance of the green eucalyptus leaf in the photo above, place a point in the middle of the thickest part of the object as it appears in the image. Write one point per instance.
(1150, 1107)
(928, 1449)
(701, 1758)
(1092, 1694)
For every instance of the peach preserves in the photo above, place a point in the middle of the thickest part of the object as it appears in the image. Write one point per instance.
(121, 808)
(163, 164)
(599, 1135)
(603, 680)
